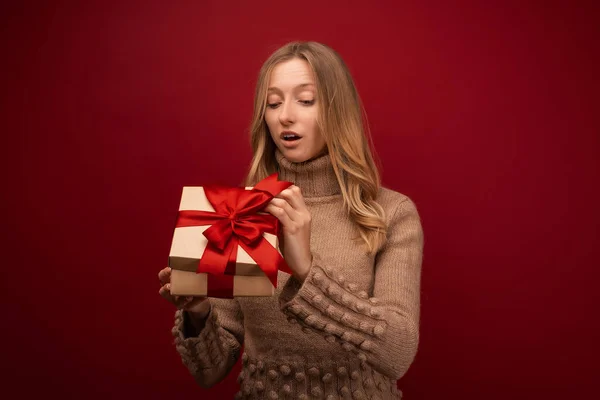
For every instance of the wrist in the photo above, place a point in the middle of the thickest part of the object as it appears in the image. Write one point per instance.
(303, 274)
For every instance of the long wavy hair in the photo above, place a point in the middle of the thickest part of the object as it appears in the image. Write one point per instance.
(343, 123)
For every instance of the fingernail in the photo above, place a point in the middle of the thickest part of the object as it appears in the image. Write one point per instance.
(168, 286)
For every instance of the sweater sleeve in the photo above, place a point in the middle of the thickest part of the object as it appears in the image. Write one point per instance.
(382, 330)
(210, 355)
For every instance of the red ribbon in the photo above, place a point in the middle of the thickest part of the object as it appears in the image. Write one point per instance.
(235, 222)
(219, 286)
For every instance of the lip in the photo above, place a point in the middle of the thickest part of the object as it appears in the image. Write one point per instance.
(288, 133)
(288, 144)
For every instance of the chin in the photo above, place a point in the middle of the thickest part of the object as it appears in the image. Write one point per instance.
(296, 156)
(296, 159)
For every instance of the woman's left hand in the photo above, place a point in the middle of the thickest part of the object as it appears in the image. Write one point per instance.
(289, 208)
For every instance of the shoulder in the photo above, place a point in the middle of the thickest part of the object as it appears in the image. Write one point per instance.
(404, 227)
(395, 204)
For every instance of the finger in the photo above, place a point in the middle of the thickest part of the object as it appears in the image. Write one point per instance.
(293, 195)
(164, 276)
(189, 301)
(280, 214)
(181, 301)
(194, 302)
(281, 203)
(165, 291)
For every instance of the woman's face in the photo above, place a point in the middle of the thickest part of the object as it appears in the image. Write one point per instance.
(292, 111)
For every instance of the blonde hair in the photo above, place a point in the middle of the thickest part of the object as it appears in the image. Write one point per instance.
(342, 122)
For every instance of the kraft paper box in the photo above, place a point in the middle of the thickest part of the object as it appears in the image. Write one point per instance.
(188, 245)
(185, 283)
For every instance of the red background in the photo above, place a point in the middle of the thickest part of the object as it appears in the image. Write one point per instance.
(484, 114)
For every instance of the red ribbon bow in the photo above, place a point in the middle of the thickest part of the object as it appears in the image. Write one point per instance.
(236, 222)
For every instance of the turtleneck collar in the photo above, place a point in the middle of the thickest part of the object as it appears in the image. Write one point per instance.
(314, 177)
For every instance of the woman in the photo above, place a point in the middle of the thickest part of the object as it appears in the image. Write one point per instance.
(345, 324)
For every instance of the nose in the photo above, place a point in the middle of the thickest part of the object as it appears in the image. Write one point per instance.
(286, 114)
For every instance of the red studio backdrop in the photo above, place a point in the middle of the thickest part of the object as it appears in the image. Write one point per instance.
(484, 113)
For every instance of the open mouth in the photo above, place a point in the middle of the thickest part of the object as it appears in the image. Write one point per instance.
(290, 137)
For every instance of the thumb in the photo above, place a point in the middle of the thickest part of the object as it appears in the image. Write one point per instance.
(197, 304)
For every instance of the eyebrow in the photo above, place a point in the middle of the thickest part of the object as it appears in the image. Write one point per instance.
(302, 85)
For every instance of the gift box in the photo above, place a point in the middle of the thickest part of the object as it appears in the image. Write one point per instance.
(223, 245)
(185, 283)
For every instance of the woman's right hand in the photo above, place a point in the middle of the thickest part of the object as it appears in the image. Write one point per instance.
(193, 304)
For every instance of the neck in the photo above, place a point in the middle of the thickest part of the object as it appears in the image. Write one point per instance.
(314, 177)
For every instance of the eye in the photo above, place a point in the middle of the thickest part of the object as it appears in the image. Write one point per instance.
(273, 105)
(307, 102)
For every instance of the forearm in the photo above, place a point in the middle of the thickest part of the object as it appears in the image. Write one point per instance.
(209, 345)
(383, 337)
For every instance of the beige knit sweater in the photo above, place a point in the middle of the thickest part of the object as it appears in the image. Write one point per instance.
(351, 330)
